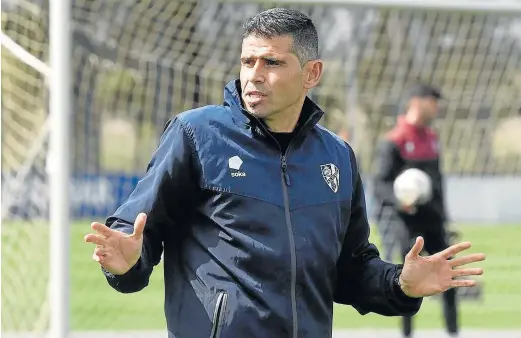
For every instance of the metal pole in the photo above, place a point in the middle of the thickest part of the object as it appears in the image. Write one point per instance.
(59, 163)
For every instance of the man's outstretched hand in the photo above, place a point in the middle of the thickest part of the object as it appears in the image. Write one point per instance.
(424, 276)
(116, 251)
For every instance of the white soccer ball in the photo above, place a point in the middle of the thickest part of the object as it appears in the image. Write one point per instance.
(412, 187)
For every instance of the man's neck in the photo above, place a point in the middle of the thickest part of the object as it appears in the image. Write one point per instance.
(414, 119)
(282, 124)
(285, 121)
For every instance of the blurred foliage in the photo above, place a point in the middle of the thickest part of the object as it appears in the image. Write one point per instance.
(121, 140)
(117, 81)
(127, 137)
(119, 91)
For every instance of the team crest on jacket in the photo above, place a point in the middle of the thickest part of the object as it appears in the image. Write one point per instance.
(331, 175)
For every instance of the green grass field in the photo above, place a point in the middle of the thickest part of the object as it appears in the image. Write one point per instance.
(95, 306)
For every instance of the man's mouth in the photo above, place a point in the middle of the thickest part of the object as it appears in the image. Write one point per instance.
(255, 94)
(255, 97)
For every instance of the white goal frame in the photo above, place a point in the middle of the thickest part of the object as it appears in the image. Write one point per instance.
(475, 6)
(60, 110)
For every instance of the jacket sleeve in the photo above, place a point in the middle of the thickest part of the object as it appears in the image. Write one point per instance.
(165, 192)
(364, 280)
(389, 163)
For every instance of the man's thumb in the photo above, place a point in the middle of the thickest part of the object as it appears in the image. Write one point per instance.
(417, 247)
(139, 224)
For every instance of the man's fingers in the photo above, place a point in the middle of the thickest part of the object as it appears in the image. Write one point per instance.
(97, 258)
(467, 272)
(96, 239)
(100, 258)
(467, 260)
(417, 247)
(139, 224)
(101, 251)
(458, 283)
(102, 229)
(455, 249)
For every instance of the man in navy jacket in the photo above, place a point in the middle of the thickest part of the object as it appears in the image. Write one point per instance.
(260, 211)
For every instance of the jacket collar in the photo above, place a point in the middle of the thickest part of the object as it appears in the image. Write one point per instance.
(232, 98)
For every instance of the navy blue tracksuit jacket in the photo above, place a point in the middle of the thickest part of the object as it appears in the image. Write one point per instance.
(257, 242)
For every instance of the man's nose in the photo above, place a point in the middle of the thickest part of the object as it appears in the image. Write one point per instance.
(257, 73)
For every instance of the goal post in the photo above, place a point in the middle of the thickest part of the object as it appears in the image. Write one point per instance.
(135, 64)
(58, 166)
(24, 234)
(35, 148)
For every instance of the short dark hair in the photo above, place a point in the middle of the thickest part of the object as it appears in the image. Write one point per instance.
(284, 21)
(424, 90)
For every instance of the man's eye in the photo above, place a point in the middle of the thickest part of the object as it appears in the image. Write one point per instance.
(272, 63)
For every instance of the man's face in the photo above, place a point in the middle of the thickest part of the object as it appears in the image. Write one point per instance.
(431, 108)
(428, 107)
(272, 79)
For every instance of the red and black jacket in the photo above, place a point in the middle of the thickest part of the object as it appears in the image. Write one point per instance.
(409, 146)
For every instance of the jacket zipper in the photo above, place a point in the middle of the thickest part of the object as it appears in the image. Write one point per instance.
(286, 182)
(220, 307)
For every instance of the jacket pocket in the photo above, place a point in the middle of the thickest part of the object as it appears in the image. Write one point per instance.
(218, 314)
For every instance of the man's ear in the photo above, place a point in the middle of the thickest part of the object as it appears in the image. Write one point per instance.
(312, 73)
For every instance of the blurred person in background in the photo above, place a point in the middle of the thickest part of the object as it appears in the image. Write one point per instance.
(344, 134)
(260, 211)
(412, 143)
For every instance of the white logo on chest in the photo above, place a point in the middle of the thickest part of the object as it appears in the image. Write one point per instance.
(235, 163)
(331, 175)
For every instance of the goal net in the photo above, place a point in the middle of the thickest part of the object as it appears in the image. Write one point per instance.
(25, 268)
(138, 63)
